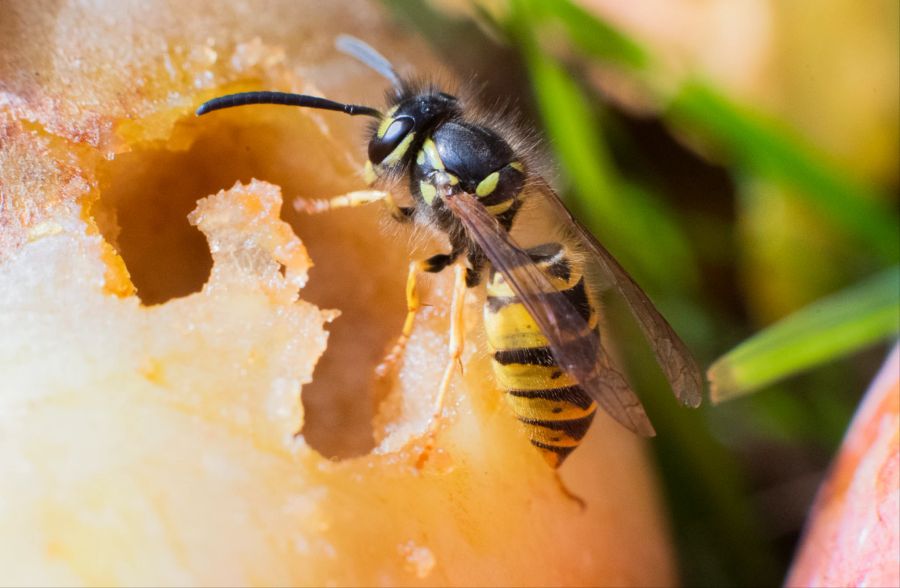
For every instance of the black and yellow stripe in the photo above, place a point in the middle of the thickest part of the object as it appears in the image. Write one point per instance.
(555, 410)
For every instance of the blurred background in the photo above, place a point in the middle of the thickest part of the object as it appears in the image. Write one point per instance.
(740, 157)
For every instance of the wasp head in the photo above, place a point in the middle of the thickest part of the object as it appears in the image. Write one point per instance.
(396, 138)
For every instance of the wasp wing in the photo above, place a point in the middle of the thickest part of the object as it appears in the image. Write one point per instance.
(583, 357)
(672, 354)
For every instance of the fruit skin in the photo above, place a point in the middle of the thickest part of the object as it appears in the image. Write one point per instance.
(155, 444)
(853, 533)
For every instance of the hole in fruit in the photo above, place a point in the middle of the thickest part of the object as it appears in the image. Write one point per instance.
(146, 196)
(359, 269)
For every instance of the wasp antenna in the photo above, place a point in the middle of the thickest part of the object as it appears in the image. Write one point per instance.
(285, 99)
(369, 56)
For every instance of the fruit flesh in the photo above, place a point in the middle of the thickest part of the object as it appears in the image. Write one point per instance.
(154, 441)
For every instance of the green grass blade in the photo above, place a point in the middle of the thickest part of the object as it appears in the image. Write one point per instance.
(760, 146)
(596, 37)
(766, 149)
(720, 540)
(835, 326)
(624, 215)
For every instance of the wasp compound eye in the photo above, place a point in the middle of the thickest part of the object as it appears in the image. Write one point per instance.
(381, 147)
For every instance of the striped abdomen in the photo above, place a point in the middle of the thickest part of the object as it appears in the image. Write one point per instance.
(555, 411)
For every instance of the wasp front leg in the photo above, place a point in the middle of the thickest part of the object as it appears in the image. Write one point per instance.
(352, 200)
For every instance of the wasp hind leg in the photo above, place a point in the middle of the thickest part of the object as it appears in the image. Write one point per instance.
(454, 359)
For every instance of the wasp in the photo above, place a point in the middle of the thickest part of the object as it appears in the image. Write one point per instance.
(541, 314)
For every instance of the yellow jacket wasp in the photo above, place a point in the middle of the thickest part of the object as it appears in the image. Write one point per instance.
(541, 314)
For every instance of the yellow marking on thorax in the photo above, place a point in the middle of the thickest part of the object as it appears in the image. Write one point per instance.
(432, 154)
(428, 192)
(487, 185)
(498, 209)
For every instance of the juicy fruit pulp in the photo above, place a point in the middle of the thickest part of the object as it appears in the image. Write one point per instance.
(152, 381)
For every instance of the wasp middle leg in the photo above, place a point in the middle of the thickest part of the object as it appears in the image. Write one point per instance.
(454, 359)
(434, 264)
